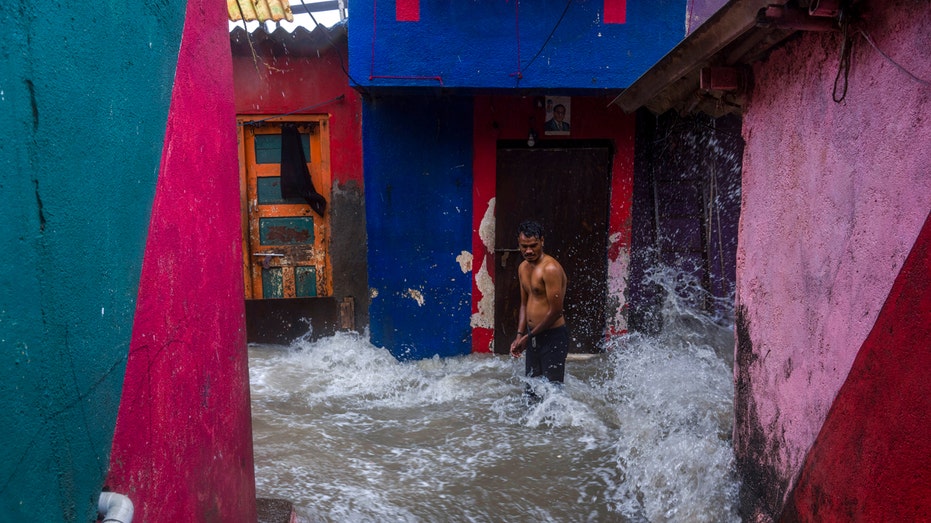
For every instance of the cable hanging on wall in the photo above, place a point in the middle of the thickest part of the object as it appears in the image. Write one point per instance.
(843, 71)
(869, 40)
(519, 74)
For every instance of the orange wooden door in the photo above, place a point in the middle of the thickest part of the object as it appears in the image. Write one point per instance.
(285, 241)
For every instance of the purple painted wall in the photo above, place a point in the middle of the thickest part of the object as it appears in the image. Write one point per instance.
(699, 11)
(834, 197)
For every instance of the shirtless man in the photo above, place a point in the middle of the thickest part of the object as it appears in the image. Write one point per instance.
(541, 327)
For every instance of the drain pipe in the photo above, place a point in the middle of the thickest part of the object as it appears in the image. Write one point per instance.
(116, 508)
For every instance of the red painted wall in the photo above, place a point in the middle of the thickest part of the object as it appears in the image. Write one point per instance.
(278, 85)
(509, 118)
(182, 450)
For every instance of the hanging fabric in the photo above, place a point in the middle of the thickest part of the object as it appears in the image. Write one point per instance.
(295, 177)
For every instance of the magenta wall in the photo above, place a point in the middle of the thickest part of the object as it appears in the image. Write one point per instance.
(834, 198)
(182, 450)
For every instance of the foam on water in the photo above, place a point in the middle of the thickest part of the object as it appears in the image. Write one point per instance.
(641, 433)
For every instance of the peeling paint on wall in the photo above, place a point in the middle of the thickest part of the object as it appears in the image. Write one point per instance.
(415, 230)
(482, 320)
(415, 295)
(486, 230)
(618, 270)
(485, 317)
(465, 262)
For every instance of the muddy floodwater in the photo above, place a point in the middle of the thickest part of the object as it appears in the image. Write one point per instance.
(639, 433)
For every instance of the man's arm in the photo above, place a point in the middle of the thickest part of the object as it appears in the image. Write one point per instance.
(517, 346)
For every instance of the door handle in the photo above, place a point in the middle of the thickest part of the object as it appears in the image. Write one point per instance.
(505, 254)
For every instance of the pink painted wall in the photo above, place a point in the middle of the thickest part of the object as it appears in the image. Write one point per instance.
(182, 450)
(506, 118)
(834, 197)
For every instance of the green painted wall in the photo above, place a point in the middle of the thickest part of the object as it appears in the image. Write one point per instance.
(84, 94)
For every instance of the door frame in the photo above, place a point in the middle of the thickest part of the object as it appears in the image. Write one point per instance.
(319, 166)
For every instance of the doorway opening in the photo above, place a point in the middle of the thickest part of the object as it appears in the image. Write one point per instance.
(566, 186)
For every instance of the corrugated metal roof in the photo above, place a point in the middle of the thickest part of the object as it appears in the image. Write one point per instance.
(261, 10)
(300, 42)
(283, 10)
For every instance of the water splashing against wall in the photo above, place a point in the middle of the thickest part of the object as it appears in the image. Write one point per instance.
(641, 433)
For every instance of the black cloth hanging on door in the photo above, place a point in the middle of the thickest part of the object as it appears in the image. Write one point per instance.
(295, 178)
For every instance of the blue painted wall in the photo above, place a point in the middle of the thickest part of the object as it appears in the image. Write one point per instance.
(475, 43)
(84, 95)
(418, 196)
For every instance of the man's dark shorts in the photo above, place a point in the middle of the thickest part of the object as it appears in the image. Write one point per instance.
(546, 354)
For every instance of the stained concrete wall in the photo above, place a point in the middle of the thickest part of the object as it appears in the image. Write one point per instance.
(835, 196)
(699, 11)
(182, 450)
(84, 95)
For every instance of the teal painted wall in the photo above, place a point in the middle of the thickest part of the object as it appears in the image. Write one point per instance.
(84, 94)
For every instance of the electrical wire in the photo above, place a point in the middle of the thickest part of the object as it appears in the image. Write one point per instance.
(545, 42)
(339, 53)
(890, 60)
(843, 67)
(519, 74)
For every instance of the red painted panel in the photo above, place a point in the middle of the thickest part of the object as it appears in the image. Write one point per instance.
(407, 10)
(182, 450)
(615, 11)
(872, 458)
(483, 190)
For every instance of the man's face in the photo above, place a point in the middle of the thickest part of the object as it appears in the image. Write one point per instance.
(530, 248)
(559, 113)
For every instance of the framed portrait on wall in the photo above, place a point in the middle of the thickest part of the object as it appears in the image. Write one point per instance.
(558, 116)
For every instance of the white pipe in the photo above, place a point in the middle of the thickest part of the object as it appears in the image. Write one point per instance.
(116, 508)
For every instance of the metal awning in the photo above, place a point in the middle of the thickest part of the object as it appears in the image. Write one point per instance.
(709, 70)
